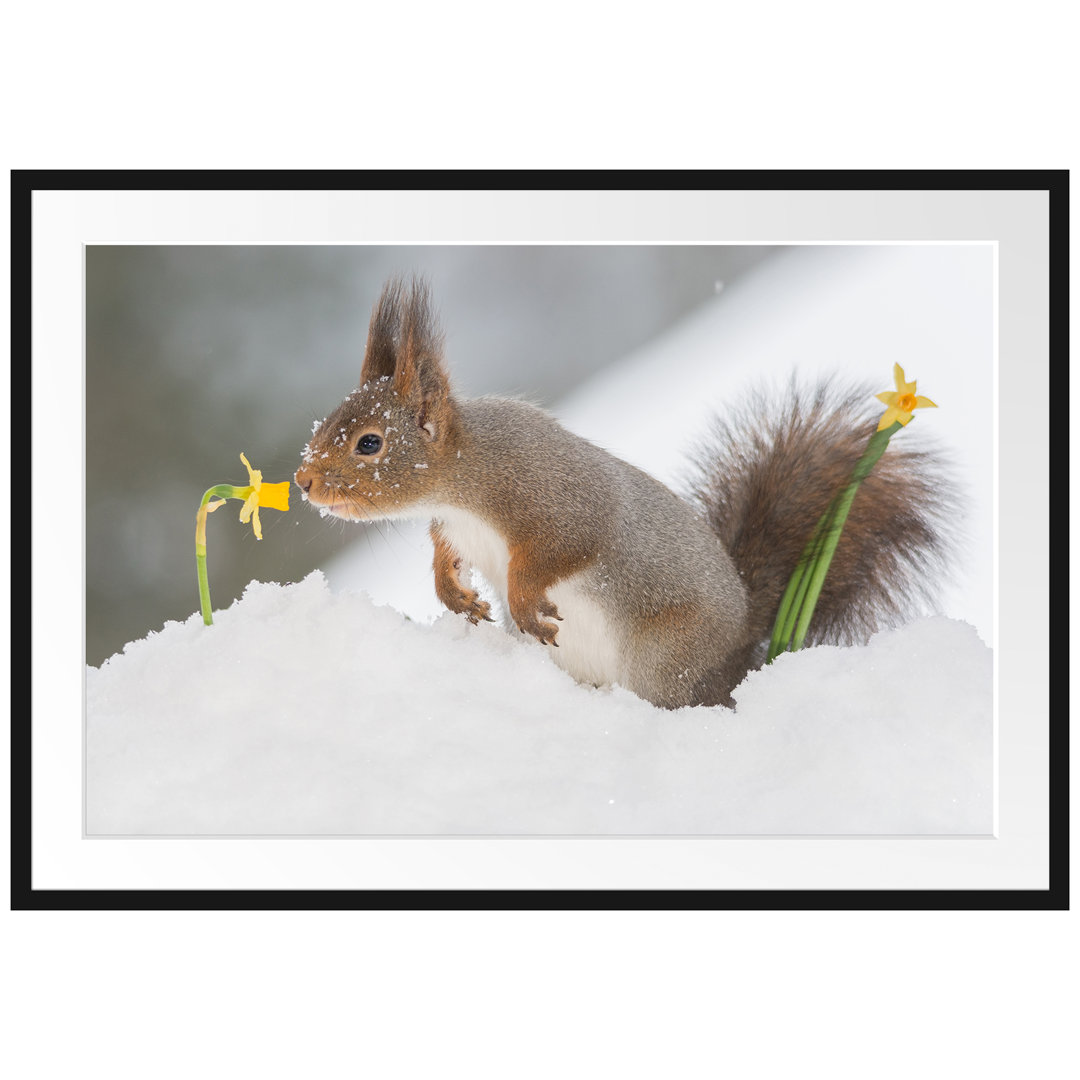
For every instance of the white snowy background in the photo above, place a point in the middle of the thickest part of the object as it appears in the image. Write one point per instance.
(348, 703)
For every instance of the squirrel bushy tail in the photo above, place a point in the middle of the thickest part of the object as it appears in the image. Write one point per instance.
(766, 475)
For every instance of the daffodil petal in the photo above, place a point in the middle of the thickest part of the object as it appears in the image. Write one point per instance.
(887, 397)
(889, 417)
(903, 417)
(275, 496)
(251, 503)
(257, 525)
(902, 385)
(254, 475)
(924, 403)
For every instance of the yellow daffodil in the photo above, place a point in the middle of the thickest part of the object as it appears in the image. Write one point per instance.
(797, 604)
(256, 494)
(902, 401)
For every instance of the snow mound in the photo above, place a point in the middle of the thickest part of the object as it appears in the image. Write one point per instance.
(303, 712)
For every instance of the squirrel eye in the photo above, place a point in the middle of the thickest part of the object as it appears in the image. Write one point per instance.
(368, 444)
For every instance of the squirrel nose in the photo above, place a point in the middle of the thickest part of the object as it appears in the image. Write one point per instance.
(303, 480)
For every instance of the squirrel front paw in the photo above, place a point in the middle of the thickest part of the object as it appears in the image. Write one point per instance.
(460, 599)
(476, 609)
(528, 623)
(468, 603)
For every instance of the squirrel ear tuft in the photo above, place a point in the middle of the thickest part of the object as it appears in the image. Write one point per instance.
(419, 376)
(384, 331)
(404, 342)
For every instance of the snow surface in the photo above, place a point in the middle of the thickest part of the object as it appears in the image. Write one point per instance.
(302, 711)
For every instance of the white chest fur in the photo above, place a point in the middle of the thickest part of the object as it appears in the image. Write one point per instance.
(478, 544)
(588, 649)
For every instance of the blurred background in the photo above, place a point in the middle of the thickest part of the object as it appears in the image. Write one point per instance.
(196, 353)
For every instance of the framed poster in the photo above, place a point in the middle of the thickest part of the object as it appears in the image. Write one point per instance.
(319, 748)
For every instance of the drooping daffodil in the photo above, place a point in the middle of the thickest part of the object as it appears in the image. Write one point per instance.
(902, 401)
(254, 494)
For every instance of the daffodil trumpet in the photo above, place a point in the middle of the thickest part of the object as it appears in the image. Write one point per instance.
(253, 494)
(800, 598)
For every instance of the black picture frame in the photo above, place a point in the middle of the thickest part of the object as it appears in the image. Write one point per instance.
(24, 894)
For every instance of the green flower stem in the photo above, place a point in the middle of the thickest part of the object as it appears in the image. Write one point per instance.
(220, 491)
(801, 596)
(795, 593)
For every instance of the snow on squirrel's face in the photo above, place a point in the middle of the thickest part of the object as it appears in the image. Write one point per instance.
(369, 459)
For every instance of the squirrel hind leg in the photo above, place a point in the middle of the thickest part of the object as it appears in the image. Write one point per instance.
(717, 685)
(676, 660)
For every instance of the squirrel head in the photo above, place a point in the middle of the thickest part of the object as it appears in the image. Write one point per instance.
(381, 452)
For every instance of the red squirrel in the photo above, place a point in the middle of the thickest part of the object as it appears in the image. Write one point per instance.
(624, 581)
